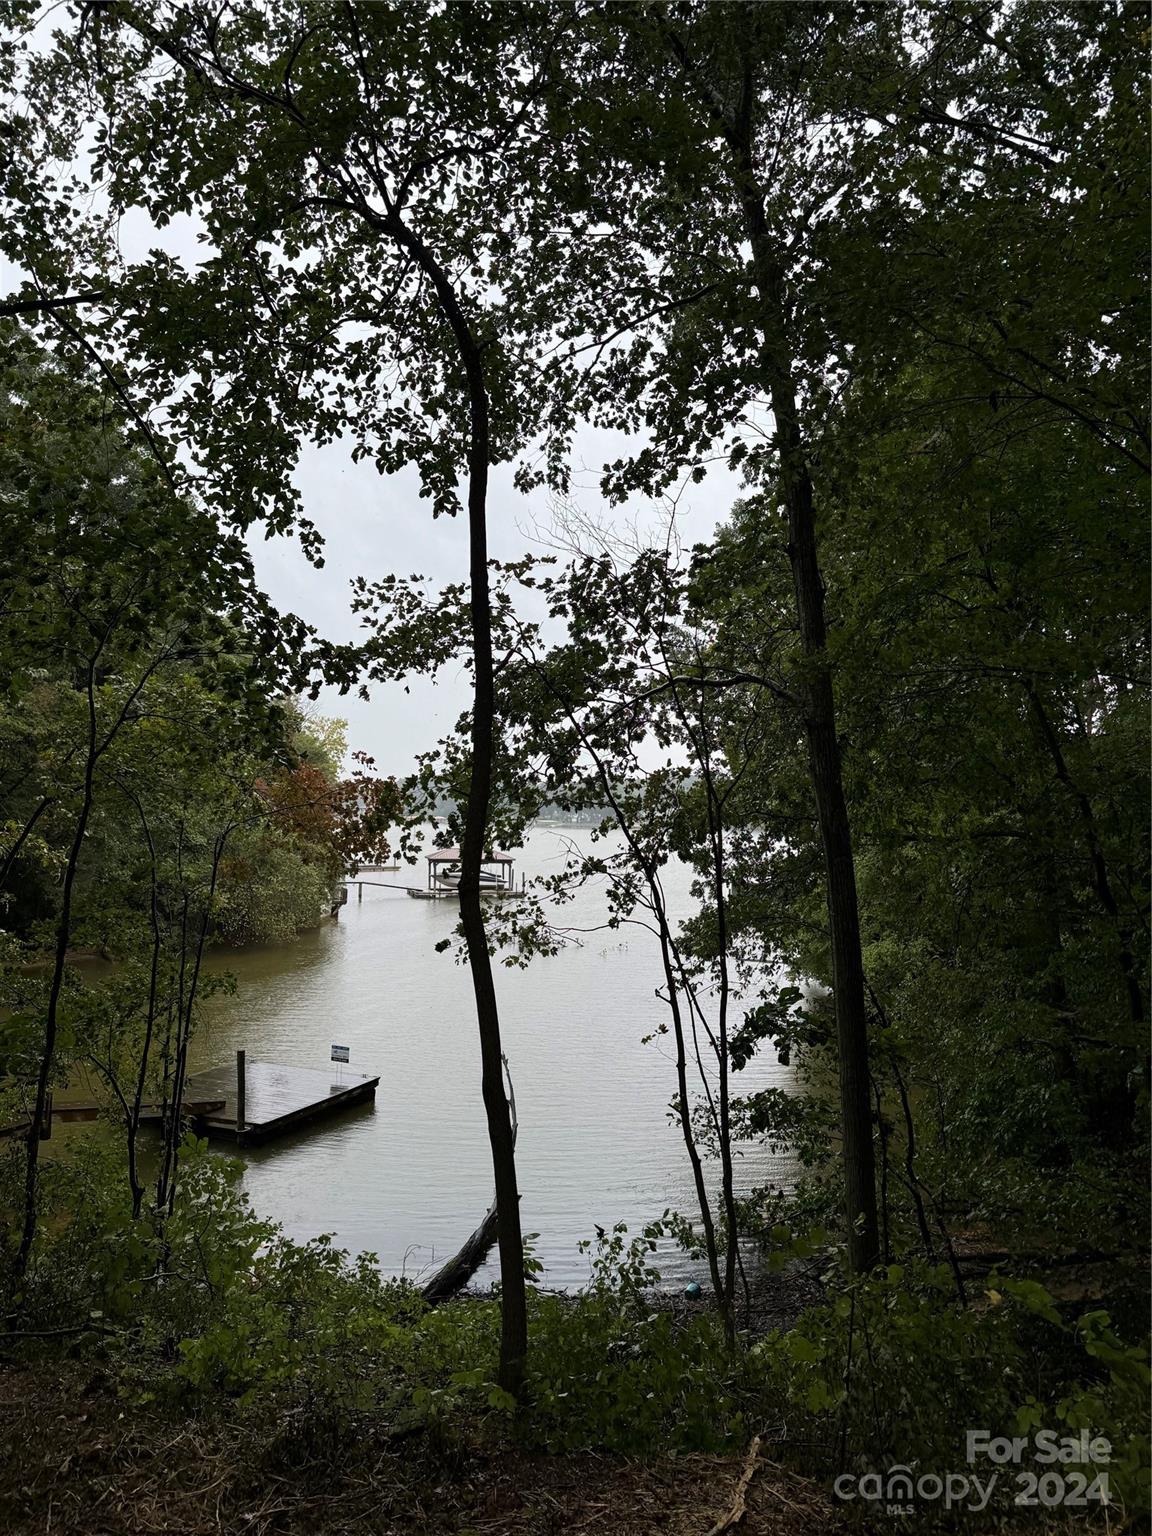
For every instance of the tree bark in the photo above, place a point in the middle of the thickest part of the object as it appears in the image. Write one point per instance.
(824, 760)
(737, 129)
(134, 1181)
(45, 306)
(825, 771)
(63, 936)
(514, 1315)
(513, 1294)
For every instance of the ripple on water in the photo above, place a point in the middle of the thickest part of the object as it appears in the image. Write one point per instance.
(409, 1177)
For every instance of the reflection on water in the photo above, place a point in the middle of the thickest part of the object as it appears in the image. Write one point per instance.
(410, 1177)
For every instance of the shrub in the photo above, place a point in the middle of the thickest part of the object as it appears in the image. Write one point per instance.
(894, 1370)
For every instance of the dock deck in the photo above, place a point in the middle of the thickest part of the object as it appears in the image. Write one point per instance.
(278, 1098)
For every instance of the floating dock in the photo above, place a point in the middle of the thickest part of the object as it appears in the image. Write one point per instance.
(277, 1099)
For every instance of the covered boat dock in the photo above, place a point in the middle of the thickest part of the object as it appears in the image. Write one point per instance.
(497, 874)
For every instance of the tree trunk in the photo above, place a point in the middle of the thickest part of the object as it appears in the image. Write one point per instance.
(737, 128)
(513, 1299)
(1101, 884)
(134, 1181)
(819, 711)
(63, 937)
(669, 965)
(513, 1295)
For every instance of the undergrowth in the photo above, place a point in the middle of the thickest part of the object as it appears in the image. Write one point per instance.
(214, 1308)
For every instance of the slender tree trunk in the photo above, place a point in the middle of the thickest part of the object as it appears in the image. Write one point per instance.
(510, 1242)
(883, 1132)
(737, 128)
(63, 937)
(669, 963)
(701, 744)
(729, 1194)
(684, 1106)
(1101, 884)
(514, 1318)
(824, 762)
(720, 895)
(134, 1181)
(189, 980)
(26, 831)
(683, 1098)
(189, 1007)
(174, 1085)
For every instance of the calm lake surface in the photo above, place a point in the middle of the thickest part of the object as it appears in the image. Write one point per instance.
(409, 1177)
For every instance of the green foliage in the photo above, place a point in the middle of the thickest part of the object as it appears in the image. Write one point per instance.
(214, 1305)
(624, 1377)
(919, 232)
(1111, 1395)
(270, 890)
(302, 1326)
(298, 1332)
(159, 1275)
(611, 1370)
(158, 790)
(896, 1368)
(893, 1370)
(312, 1333)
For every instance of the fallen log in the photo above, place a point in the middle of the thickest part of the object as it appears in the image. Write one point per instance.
(452, 1277)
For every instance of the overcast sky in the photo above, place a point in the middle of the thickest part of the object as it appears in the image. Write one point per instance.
(374, 525)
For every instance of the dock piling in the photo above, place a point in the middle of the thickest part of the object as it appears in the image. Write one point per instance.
(254, 1101)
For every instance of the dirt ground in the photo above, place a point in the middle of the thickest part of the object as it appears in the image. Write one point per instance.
(74, 1461)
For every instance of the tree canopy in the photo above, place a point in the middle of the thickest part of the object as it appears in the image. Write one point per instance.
(886, 263)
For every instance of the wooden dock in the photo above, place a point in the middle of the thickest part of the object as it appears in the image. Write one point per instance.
(497, 878)
(150, 1114)
(497, 875)
(278, 1098)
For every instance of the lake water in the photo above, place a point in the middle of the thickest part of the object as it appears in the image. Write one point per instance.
(410, 1177)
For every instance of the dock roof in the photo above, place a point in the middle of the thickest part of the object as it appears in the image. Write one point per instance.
(452, 856)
